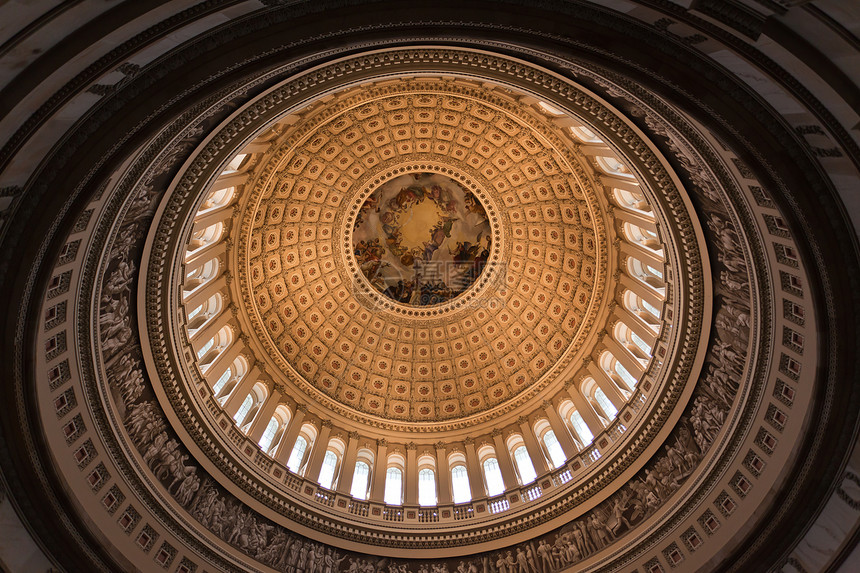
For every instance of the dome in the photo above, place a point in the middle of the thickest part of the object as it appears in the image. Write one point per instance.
(392, 292)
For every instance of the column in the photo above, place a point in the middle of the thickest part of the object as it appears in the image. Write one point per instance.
(640, 289)
(503, 456)
(637, 219)
(201, 259)
(223, 361)
(288, 440)
(620, 183)
(261, 422)
(443, 475)
(534, 449)
(202, 293)
(237, 396)
(637, 325)
(203, 335)
(473, 467)
(410, 475)
(607, 385)
(347, 468)
(644, 255)
(221, 214)
(318, 451)
(560, 429)
(623, 355)
(585, 410)
(380, 467)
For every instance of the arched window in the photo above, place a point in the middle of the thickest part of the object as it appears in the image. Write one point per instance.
(645, 238)
(244, 409)
(628, 378)
(524, 465)
(646, 274)
(235, 164)
(632, 200)
(297, 455)
(580, 428)
(604, 403)
(282, 417)
(611, 166)
(222, 381)
(361, 474)
(328, 467)
(640, 307)
(460, 487)
(585, 135)
(553, 447)
(216, 199)
(269, 434)
(201, 315)
(245, 416)
(360, 478)
(426, 487)
(394, 486)
(207, 353)
(200, 275)
(204, 238)
(493, 477)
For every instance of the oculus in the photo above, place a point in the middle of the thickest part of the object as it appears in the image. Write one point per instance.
(421, 239)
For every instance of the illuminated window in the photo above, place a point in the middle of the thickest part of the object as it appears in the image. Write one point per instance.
(360, 478)
(297, 455)
(556, 454)
(493, 477)
(394, 486)
(327, 471)
(427, 487)
(460, 484)
(244, 409)
(524, 465)
(625, 375)
(269, 434)
(604, 403)
(581, 428)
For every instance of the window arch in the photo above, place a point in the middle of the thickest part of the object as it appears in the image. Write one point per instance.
(645, 238)
(646, 274)
(204, 238)
(632, 201)
(216, 199)
(522, 461)
(248, 411)
(638, 306)
(633, 343)
(235, 164)
(207, 353)
(361, 474)
(581, 428)
(612, 166)
(494, 483)
(549, 441)
(201, 315)
(427, 480)
(227, 382)
(331, 463)
(585, 135)
(200, 275)
(301, 449)
(394, 480)
(275, 429)
(581, 431)
(461, 489)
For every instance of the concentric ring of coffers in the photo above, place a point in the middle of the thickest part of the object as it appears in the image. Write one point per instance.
(512, 332)
(565, 429)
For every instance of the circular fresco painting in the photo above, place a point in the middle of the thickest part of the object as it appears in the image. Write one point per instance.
(421, 239)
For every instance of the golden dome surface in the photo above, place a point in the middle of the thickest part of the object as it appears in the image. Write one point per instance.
(337, 337)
